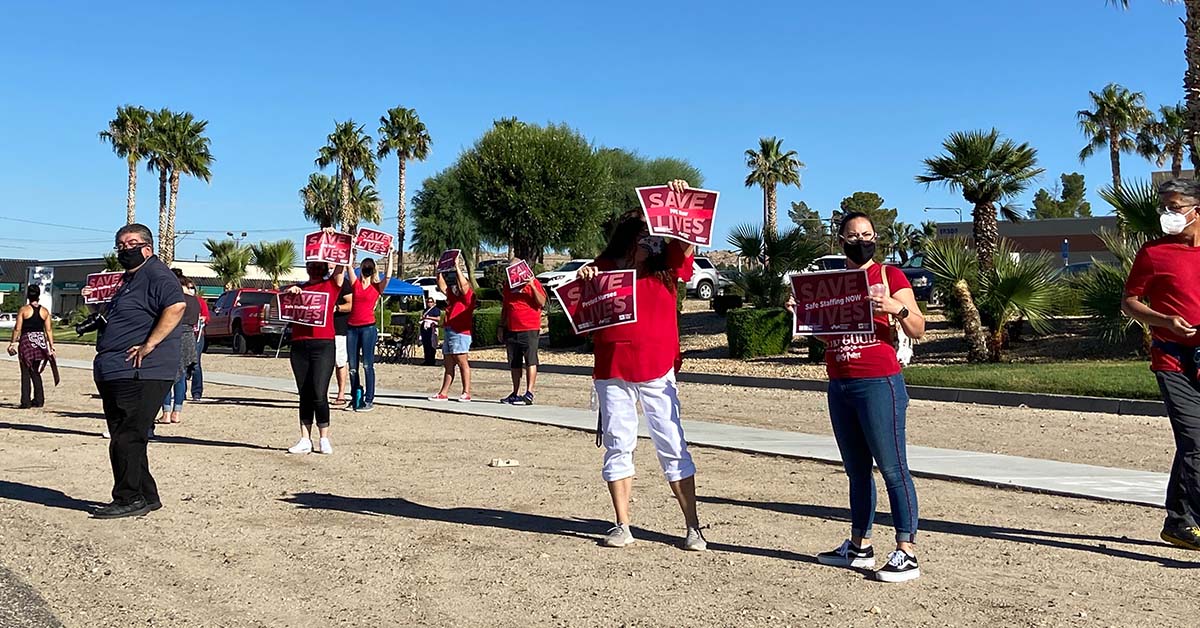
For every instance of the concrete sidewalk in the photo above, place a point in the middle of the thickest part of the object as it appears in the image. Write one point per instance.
(1046, 476)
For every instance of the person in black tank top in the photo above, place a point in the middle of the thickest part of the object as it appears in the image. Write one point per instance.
(33, 342)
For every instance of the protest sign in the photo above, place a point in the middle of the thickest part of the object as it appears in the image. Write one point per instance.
(104, 287)
(519, 274)
(448, 262)
(322, 246)
(686, 216)
(605, 301)
(373, 241)
(833, 302)
(305, 308)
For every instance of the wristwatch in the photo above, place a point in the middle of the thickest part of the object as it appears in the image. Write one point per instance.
(903, 313)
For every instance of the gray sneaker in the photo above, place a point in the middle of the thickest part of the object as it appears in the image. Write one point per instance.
(695, 541)
(617, 536)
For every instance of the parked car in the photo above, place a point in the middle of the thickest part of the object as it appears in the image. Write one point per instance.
(920, 278)
(8, 320)
(727, 279)
(429, 285)
(243, 319)
(562, 274)
(483, 266)
(827, 262)
(706, 281)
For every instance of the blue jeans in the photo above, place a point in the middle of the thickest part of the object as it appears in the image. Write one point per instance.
(362, 339)
(197, 372)
(173, 402)
(868, 416)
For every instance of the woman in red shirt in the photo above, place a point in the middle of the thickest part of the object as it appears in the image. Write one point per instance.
(361, 334)
(460, 314)
(312, 358)
(637, 362)
(867, 406)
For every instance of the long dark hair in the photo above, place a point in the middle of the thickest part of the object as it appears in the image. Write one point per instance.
(625, 238)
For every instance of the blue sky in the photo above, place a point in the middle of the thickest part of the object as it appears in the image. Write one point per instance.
(861, 90)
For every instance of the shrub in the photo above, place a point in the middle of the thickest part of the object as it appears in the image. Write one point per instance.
(489, 294)
(487, 304)
(561, 334)
(758, 332)
(484, 325)
(722, 303)
(12, 302)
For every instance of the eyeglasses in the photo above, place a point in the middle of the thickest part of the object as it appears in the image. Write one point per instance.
(1177, 209)
(855, 238)
(125, 246)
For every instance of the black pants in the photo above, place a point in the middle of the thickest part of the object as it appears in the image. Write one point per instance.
(428, 336)
(1182, 397)
(312, 364)
(32, 378)
(130, 406)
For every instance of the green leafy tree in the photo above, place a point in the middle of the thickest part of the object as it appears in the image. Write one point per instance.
(349, 149)
(1063, 201)
(229, 260)
(534, 186)
(883, 218)
(128, 134)
(441, 220)
(809, 221)
(1164, 139)
(401, 132)
(987, 169)
(770, 166)
(110, 262)
(763, 283)
(1112, 123)
(275, 259)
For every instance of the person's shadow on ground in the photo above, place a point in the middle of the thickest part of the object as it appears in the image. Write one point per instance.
(45, 496)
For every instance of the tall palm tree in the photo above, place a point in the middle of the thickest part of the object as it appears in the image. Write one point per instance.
(275, 259)
(321, 198)
(158, 159)
(1164, 138)
(770, 167)
(127, 133)
(986, 168)
(402, 132)
(228, 260)
(1113, 122)
(188, 152)
(365, 205)
(349, 149)
(905, 238)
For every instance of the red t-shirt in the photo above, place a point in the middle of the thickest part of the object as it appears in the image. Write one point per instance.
(308, 332)
(867, 355)
(649, 348)
(1167, 275)
(521, 309)
(362, 308)
(460, 311)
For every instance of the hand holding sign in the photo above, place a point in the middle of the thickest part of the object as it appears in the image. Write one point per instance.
(328, 246)
(519, 274)
(596, 300)
(832, 303)
(683, 213)
(449, 261)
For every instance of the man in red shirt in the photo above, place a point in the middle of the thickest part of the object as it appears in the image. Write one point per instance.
(520, 329)
(1163, 293)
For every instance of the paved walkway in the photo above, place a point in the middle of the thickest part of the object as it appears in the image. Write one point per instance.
(1046, 476)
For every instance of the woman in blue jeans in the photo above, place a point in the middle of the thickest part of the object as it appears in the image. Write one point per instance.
(867, 406)
(361, 335)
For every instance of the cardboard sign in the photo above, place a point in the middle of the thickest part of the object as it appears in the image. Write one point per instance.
(448, 262)
(322, 246)
(606, 301)
(306, 308)
(687, 216)
(519, 274)
(373, 241)
(833, 302)
(104, 287)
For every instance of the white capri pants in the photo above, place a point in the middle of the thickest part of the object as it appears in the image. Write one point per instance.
(341, 357)
(660, 402)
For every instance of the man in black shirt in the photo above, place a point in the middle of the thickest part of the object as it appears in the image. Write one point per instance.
(137, 359)
(341, 324)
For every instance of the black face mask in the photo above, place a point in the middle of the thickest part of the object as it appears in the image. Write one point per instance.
(859, 252)
(130, 259)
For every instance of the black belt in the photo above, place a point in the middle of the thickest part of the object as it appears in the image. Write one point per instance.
(1188, 357)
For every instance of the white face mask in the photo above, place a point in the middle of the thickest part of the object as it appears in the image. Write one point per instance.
(1173, 223)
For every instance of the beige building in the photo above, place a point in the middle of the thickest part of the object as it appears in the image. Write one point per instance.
(1072, 239)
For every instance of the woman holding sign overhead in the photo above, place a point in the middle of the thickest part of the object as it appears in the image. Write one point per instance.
(312, 358)
(867, 406)
(460, 315)
(637, 362)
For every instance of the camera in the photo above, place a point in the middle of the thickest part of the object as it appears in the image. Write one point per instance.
(94, 322)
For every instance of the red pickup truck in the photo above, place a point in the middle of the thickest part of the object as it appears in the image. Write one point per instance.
(242, 318)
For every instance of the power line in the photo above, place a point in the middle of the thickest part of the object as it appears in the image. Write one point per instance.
(50, 224)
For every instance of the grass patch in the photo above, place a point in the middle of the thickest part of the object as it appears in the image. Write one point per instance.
(1122, 379)
(67, 335)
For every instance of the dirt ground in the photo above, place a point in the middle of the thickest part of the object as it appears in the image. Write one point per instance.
(406, 525)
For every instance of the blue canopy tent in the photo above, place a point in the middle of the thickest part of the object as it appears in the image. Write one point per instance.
(397, 287)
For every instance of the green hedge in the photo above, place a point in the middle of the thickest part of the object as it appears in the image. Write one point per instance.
(758, 332)
(484, 325)
(489, 294)
(561, 334)
(487, 304)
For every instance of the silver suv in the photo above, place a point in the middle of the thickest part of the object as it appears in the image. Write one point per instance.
(706, 281)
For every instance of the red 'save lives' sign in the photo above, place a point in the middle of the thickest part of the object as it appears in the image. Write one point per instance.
(373, 241)
(322, 246)
(607, 300)
(448, 262)
(305, 308)
(104, 287)
(686, 216)
(830, 303)
(519, 274)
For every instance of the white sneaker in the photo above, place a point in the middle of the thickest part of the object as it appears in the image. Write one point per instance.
(617, 536)
(324, 446)
(303, 446)
(694, 542)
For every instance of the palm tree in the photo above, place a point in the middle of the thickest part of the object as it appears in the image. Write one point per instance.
(322, 203)
(275, 259)
(1020, 287)
(402, 132)
(127, 133)
(1165, 139)
(1102, 288)
(986, 168)
(228, 260)
(187, 150)
(769, 167)
(349, 148)
(158, 159)
(365, 205)
(951, 262)
(110, 262)
(905, 238)
(777, 254)
(1136, 207)
(1113, 122)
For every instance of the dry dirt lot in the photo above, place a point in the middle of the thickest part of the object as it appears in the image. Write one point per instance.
(406, 525)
